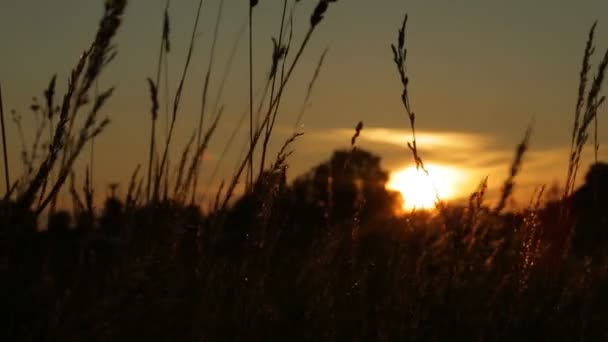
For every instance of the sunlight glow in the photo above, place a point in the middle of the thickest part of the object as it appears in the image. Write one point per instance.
(419, 190)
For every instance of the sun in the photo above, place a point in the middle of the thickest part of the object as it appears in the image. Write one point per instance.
(420, 190)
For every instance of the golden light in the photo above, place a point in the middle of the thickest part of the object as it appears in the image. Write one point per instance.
(419, 190)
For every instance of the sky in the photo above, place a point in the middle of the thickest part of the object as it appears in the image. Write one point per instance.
(480, 73)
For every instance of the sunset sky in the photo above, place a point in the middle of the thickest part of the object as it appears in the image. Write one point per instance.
(480, 72)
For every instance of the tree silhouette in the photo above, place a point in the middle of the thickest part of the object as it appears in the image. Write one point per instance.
(351, 183)
(589, 204)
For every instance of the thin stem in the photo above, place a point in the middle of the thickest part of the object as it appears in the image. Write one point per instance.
(4, 148)
(596, 145)
(274, 77)
(270, 125)
(250, 183)
(166, 100)
(161, 53)
(229, 144)
(273, 103)
(50, 175)
(92, 151)
(201, 121)
(310, 88)
(229, 64)
(177, 100)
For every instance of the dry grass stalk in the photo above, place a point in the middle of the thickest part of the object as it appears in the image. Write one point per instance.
(98, 56)
(102, 51)
(283, 53)
(228, 67)
(218, 196)
(16, 118)
(596, 144)
(315, 20)
(154, 99)
(474, 213)
(49, 95)
(199, 154)
(29, 157)
(181, 166)
(40, 127)
(176, 103)
(269, 184)
(284, 152)
(531, 244)
(234, 134)
(252, 4)
(166, 97)
(7, 177)
(509, 184)
(400, 59)
(226, 148)
(586, 109)
(353, 149)
(476, 199)
(77, 202)
(86, 72)
(583, 79)
(89, 192)
(310, 88)
(267, 87)
(57, 142)
(279, 54)
(358, 129)
(587, 106)
(204, 95)
(238, 126)
(275, 112)
(130, 199)
(89, 130)
(225, 74)
(165, 47)
(137, 197)
(89, 188)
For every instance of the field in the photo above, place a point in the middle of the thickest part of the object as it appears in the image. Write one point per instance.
(328, 256)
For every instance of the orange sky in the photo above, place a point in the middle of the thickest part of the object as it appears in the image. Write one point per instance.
(480, 72)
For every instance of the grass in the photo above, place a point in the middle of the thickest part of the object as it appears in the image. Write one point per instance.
(322, 258)
(7, 177)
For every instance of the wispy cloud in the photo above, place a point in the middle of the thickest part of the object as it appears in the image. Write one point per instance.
(475, 155)
(397, 137)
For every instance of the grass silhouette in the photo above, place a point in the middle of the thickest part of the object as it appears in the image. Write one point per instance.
(322, 258)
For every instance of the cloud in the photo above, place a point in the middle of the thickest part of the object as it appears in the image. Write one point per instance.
(398, 137)
(475, 155)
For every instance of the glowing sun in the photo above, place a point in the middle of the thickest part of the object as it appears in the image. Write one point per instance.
(419, 190)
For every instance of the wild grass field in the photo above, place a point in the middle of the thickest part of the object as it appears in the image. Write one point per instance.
(328, 256)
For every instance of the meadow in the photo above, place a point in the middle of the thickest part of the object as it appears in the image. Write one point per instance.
(329, 256)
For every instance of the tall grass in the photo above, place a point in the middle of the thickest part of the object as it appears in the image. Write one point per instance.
(204, 97)
(509, 184)
(400, 59)
(153, 86)
(64, 142)
(587, 105)
(298, 261)
(7, 178)
(252, 4)
(279, 53)
(315, 19)
(176, 104)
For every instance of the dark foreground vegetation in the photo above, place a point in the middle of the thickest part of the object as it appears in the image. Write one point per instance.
(322, 258)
